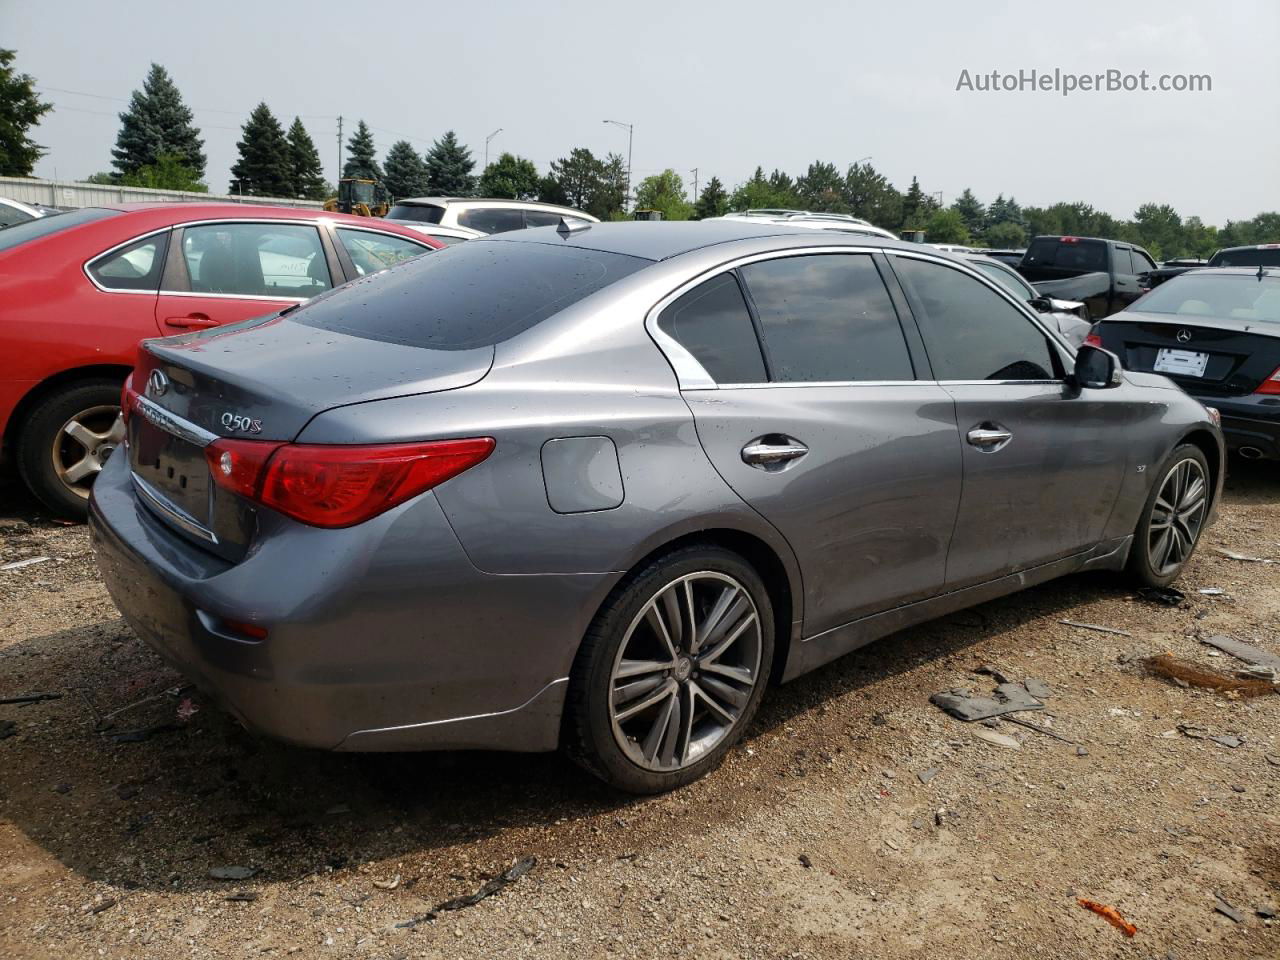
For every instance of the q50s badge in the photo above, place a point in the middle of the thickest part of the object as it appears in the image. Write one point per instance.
(235, 422)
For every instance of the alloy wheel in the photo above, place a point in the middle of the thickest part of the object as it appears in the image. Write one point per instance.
(1177, 516)
(84, 443)
(685, 670)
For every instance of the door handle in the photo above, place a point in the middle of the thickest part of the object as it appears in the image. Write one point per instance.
(194, 321)
(762, 453)
(989, 436)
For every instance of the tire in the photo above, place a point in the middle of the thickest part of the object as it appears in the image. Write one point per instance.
(652, 749)
(48, 457)
(1151, 562)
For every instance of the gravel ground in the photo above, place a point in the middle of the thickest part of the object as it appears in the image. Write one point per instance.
(816, 839)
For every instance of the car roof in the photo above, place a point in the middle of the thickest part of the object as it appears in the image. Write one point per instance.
(163, 213)
(663, 239)
(1269, 272)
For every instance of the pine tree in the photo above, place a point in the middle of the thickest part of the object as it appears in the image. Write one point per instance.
(265, 167)
(579, 177)
(714, 201)
(20, 109)
(510, 177)
(971, 211)
(449, 166)
(362, 160)
(157, 124)
(406, 172)
(306, 173)
(914, 207)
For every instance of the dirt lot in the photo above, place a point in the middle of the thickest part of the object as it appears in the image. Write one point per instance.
(816, 839)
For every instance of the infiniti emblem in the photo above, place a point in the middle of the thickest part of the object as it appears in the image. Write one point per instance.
(157, 384)
(1183, 336)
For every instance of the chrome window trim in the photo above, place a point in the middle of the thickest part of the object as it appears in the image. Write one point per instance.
(172, 423)
(237, 296)
(170, 512)
(88, 264)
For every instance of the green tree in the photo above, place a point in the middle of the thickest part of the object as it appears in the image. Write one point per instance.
(406, 172)
(362, 155)
(551, 190)
(822, 189)
(509, 177)
(946, 226)
(764, 192)
(306, 173)
(578, 177)
(449, 167)
(609, 199)
(1198, 240)
(784, 186)
(1159, 229)
(972, 213)
(869, 195)
(20, 110)
(264, 168)
(1002, 211)
(917, 207)
(713, 201)
(156, 123)
(1006, 236)
(664, 192)
(167, 173)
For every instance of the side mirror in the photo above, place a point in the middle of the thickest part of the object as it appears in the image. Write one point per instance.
(1096, 369)
(1040, 305)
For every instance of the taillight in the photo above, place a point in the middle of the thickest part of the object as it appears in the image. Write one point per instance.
(1270, 385)
(125, 393)
(1093, 339)
(339, 486)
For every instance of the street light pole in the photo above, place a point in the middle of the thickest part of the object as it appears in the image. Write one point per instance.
(486, 147)
(630, 134)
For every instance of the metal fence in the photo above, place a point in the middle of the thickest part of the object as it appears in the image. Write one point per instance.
(71, 194)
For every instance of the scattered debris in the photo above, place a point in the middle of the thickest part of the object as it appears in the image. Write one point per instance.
(994, 672)
(1226, 909)
(890, 844)
(388, 884)
(1037, 688)
(1266, 912)
(924, 776)
(62, 788)
(186, 710)
(7, 729)
(1039, 729)
(805, 861)
(489, 889)
(1098, 627)
(232, 873)
(241, 896)
(127, 791)
(1082, 751)
(337, 810)
(142, 733)
(1008, 698)
(1110, 914)
(1244, 651)
(1212, 592)
(1272, 759)
(102, 907)
(1169, 666)
(29, 562)
(1231, 742)
(997, 739)
(940, 816)
(31, 698)
(1232, 555)
(1162, 596)
(1195, 733)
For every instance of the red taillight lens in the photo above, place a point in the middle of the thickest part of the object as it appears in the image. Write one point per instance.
(1093, 339)
(339, 486)
(1270, 385)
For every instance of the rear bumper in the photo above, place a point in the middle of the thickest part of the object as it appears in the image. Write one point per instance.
(1251, 422)
(381, 637)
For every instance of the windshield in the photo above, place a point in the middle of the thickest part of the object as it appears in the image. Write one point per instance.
(1015, 285)
(416, 212)
(21, 233)
(470, 295)
(1247, 257)
(1241, 297)
(1070, 254)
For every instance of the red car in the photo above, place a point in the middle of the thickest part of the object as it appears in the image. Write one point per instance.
(78, 291)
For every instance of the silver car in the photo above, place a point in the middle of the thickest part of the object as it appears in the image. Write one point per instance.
(597, 487)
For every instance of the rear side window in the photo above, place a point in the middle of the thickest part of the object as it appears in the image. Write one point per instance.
(543, 218)
(21, 233)
(371, 252)
(492, 219)
(711, 321)
(473, 294)
(418, 213)
(1244, 257)
(827, 317)
(970, 331)
(135, 267)
(270, 260)
(1069, 254)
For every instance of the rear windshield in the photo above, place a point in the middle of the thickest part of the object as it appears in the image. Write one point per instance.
(1247, 257)
(21, 233)
(416, 212)
(1241, 297)
(470, 295)
(1087, 255)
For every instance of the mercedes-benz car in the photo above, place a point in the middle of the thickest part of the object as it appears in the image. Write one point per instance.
(598, 486)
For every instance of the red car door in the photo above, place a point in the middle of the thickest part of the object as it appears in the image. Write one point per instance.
(221, 273)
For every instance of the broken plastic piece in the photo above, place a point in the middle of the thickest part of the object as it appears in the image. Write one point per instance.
(1008, 698)
(1110, 914)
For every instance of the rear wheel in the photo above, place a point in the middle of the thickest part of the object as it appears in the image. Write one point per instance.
(67, 438)
(1173, 518)
(671, 671)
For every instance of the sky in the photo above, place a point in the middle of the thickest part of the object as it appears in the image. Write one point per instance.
(722, 87)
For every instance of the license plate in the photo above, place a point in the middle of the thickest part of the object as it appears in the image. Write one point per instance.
(1188, 363)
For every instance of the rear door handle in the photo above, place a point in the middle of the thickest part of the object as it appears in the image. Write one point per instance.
(194, 321)
(989, 436)
(771, 453)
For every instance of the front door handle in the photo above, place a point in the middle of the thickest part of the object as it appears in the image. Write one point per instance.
(194, 321)
(989, 436)
(770, 452)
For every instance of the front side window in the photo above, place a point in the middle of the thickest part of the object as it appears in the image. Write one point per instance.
(371, 252)
(1122, 262)
(827, 318)
(711, 321)
(969, 330)
(270, 260)
(492, 219)
(135, 267)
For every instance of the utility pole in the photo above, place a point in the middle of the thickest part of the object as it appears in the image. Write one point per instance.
(630, 134)
(695, 184)
(486, 148)
(339, 174)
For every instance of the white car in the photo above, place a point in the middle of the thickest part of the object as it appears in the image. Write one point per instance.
(451, 219)
(956, 248)
(842, 222)
(14, 211)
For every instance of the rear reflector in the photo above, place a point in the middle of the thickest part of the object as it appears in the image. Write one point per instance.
(339, 486)
(1270, 385)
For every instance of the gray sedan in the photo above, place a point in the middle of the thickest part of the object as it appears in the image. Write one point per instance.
(597, 487)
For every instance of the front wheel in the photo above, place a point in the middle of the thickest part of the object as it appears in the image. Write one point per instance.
(1173, 519)
(671, 671)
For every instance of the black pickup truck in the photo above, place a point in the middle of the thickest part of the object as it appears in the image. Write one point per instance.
(1254, 255)
(1105, 274)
